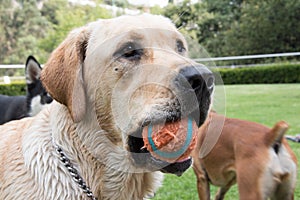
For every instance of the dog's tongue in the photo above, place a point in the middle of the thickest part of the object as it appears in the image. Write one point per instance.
(171, 142)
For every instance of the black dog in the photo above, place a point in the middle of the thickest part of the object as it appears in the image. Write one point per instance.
(17, 107)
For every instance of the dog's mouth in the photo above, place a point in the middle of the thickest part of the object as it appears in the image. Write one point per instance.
(189, 107)
(143, 158)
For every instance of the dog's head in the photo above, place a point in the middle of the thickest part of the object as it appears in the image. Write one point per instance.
(37, 96)
(130, 71)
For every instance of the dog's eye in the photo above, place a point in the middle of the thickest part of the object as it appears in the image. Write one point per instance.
(180, 47)
(131, 52)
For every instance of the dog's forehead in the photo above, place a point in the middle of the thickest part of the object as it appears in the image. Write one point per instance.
(132, 25)
(150, 30)
(146, 21)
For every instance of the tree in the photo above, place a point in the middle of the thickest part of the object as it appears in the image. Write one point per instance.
(118, 3)
(223, 13)
(6, 13)
(237, 27)
(49, 10)
(20, 25)
(206, 22)
(66, 18)
(188, 18)
(270, 26)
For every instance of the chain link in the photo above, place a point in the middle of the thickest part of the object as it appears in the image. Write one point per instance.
(74, 173)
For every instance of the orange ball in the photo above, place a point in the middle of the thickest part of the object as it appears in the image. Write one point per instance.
(171, 142)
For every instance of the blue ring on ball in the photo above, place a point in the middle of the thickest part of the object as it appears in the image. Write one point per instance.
(177, 153)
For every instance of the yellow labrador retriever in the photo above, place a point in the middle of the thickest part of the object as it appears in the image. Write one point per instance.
(110, 79)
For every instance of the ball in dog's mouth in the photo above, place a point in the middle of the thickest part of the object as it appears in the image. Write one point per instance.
(171, 142)
(164, 147)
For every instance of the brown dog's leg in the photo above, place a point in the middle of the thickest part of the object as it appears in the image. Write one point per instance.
(247, 180)
(222, 191)
(202, 182)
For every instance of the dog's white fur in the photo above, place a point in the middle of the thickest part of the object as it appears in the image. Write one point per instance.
(30, 167)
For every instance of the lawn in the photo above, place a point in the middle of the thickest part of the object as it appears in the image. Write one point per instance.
(264, 104)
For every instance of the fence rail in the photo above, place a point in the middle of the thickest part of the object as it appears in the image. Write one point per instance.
(7, 79)
(12, 66)
(248, 57)
(20, 66)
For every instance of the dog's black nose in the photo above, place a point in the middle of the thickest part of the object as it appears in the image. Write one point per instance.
(195, 81)
(199, 78)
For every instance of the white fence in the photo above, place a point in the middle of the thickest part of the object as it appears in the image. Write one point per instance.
(7, 79)
(248, 57)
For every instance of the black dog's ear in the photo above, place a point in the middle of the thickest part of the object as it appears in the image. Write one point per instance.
(32, 70)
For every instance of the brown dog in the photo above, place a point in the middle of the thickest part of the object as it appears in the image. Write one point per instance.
(255, 157)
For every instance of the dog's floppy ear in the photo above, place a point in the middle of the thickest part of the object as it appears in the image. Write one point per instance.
(62, 75)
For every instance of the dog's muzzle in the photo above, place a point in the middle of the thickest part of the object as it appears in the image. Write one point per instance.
(193, 87)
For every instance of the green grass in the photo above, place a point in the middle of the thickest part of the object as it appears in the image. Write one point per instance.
(264, 104)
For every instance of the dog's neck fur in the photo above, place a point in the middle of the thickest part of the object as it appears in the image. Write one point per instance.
(106, 168)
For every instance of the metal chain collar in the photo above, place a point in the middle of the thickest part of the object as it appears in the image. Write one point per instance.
(74, 173)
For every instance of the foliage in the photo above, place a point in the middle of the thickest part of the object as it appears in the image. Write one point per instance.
(118, 3)
(12, 71)
(66, 18)
(156, 10)
(237, 27)
(13, 89)
(222, 27)
(50, 8)
(212, 32)
(285, 73)
(207, 21)
(187, 19)
(36, 27)
(270, 26)
(20, 25)
(186, 16)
